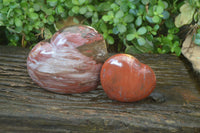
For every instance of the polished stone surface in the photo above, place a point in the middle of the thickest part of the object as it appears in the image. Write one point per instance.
(125, 79)
(69, 62)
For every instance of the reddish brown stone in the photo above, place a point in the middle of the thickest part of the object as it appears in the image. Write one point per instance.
(70, 62)
(125, 79)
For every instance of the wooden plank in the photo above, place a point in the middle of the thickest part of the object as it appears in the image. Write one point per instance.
(174, 106)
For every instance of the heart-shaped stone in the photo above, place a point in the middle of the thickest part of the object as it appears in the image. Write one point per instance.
(125, 79)
(69, 62)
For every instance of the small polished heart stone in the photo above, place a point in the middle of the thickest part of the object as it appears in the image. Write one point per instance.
(125, 79)
(69, 62)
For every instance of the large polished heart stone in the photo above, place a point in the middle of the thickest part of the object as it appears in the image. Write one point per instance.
(69, 62)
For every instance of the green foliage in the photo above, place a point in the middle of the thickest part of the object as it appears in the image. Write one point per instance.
(138, 26)
(190, 12)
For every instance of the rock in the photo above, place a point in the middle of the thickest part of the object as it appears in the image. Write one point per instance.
(191, 51)
(69, 62)
(125, 79)
(157, 97)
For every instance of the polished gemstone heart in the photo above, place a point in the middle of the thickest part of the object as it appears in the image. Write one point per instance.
(125, 79)
(69, 62)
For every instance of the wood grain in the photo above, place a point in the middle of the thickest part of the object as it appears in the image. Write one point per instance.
(174, 106)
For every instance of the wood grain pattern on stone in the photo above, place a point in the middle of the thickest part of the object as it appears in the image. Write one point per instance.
(70, 61)
(174, 106)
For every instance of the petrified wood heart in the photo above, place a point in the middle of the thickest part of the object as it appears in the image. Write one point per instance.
(69, 62)
(125, 79)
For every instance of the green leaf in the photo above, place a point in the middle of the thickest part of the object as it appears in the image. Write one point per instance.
(177, 51)
(121, 28)
(128, 19)
(124, 6)
(38, 24)
(116, 20)
(81, 2)
(50, 19)
(149, 19)
(52, 2)
(165, 15)
(104, 7)
(166, 4)
(130, 37)
(150, 11)
(24, 5)
(95, 17)
(169, 23)
(131, 28)
(90, 8)
(6, 2)
(105, 35)
(159, 50)
(31, 10)
(83, 10)
(141, 41)
(131, 5)
(75, 9)
(198, 31)
(138, 21)
(141, 10)
(156, 19)
(156, 27)
(75, 20)
(110, 40)
(103, 27)
(18, 29)
(119, 14)
(115, 30)
(36, 7)
(107, 17)
(114, 6)
(88, 14)
(69, 3)
(141, 30)
(161, 3)
(146, 48)
(186, 15)
(47, 33)
(18, 11)
(13, 5)
(60, 9)
(119, 2)
(48, 11)
(26, 29)
(33, 15)
(132, 50)
(196, 15)
(18, 22)
(1, 23)
(170, 37)
(75, 2)
(159, 9)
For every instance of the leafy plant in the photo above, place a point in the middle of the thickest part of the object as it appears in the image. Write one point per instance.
(26, 21)
(139, 25)
(136, 26)
(189, 14)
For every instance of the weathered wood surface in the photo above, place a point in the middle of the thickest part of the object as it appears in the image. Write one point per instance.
(24, 107)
